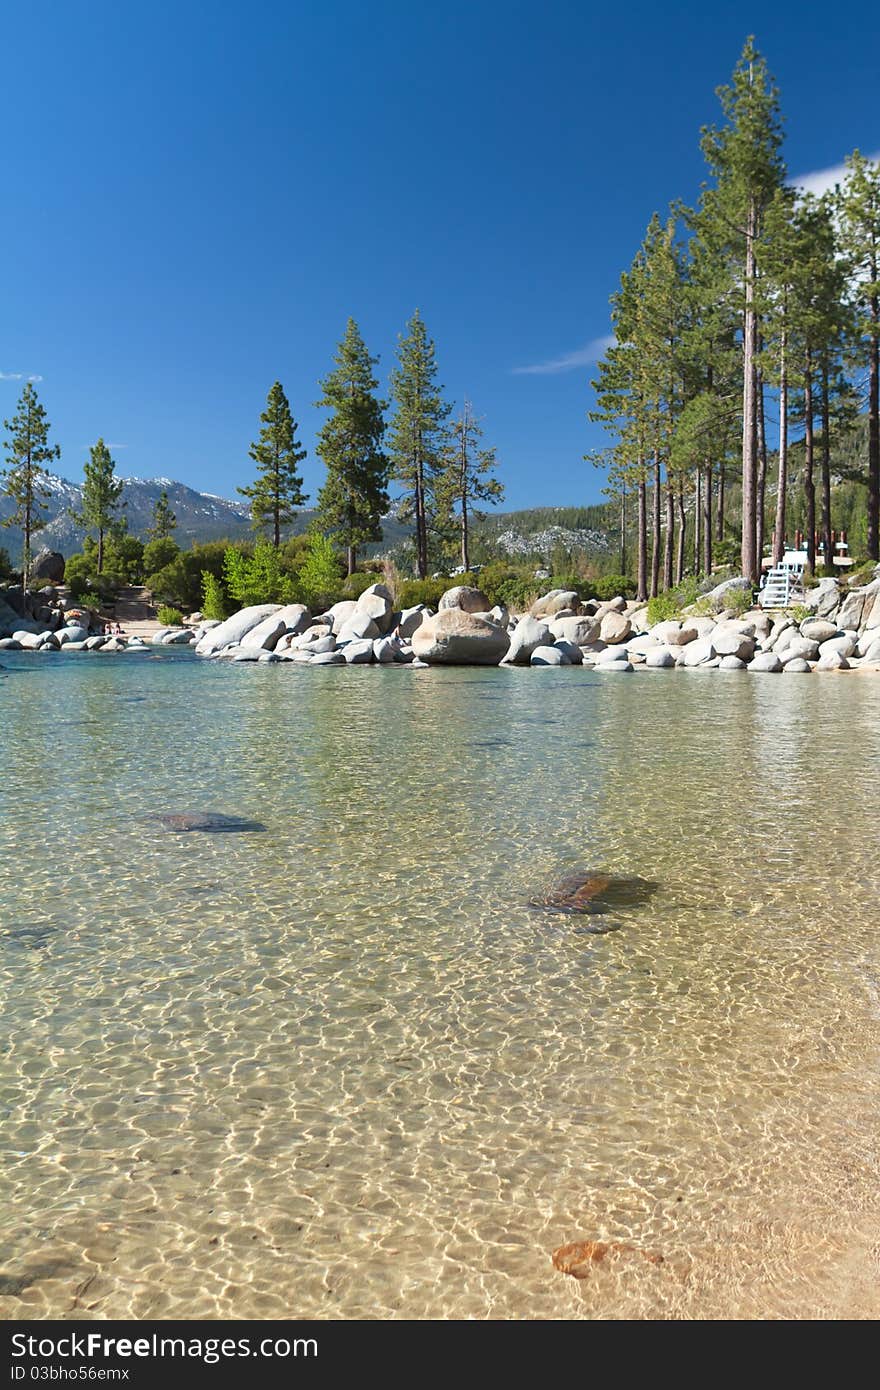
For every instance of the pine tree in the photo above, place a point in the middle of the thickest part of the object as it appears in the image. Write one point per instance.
(858, 206)
(467, 475)
(164, 520)
(278, 489)
(354, 496)
(744, 156)
(28, 450)
(100, 495)
(417, 436)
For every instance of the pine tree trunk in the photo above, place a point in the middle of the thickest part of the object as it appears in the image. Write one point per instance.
(100, 550)
(655, 530)
(749, 432)
(682, 534)
(874, 430)
(668, 550)
(623, 531)
(698, 518)
(719, 514)
(762, 474)
(421, 535)
(827, 537)
(465, 558)
(809, 485)
(351, 558)
(707, 519)
(782, 483)
(642, 542)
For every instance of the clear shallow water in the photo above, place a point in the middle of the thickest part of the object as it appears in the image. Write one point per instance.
(341, 1068)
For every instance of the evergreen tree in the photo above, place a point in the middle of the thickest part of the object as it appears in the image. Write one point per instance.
(467, 475)
(100, 495)
(164, 520)
(320, 576)
(858, 207)
(417, 431)
(23, 481)
(744, 156)
(278, 489)
(354, 496)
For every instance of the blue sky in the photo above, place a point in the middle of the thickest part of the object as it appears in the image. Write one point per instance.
(196, 196)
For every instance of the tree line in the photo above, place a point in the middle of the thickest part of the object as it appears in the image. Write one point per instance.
(438, 462)
(760, 296)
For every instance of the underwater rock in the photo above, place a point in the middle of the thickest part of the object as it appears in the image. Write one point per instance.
(211, 822)
(585, 892)
(580, 1256)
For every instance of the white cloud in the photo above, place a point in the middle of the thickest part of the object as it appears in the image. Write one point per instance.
(18, 376)
(580, 357)
(821, 181)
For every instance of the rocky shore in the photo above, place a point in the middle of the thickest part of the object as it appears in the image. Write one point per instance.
(840, 632)
(837, 630)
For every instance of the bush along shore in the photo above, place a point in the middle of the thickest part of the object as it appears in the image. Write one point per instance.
(835, 630)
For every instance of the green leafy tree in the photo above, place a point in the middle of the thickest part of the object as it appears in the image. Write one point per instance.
(744, 156)
(858, 209)
(213, 598)
(417, 437)
(355, 495)
(320, 576)
(101, 495)
(23, 480)
(257, 578)
(158, 553)
(164, 520)
(468, 475)
(278, 489)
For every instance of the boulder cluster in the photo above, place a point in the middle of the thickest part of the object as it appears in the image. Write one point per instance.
(840, 632)
(58, 624)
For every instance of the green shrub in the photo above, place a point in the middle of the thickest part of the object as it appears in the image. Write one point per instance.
(662, 608)
(415, 591)
(739, 601)
(170, 617)
(257, 578)
(612, 586)
(799, 614)
(354, 584)
(671, 604)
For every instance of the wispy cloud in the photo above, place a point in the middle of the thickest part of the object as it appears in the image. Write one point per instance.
(581, 357)
(821, 181)
(19, 376)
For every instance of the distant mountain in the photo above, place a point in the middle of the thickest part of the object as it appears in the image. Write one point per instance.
(202, 516)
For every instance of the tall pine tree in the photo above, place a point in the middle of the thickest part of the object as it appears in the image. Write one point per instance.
(278, 488)
(355, 494)
(417, 435)
(858, 207)
(23, 480)
(101, 495)
(744, 157)
(164, 520)
(467, 476)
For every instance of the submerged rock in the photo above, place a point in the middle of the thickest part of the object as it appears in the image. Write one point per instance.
(594, 893)
(211, 822)
(579, 1257)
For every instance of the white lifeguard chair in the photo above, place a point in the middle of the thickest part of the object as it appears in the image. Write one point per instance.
(784, 585)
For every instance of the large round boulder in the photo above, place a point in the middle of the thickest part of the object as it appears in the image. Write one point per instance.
(469, 600)
(455, 637)
(232, 632)
(528, 634)
(378, 604)
(580, 631)
(557, 601)
(615, 628)
(48, 564)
